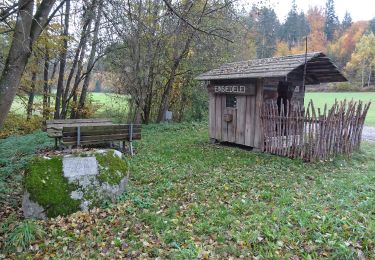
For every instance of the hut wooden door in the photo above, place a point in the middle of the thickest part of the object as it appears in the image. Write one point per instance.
(238, 121)
(233, 117)
(229, 118)
(229, 126)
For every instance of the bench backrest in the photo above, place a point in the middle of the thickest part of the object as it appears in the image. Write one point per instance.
(54, 127)
(83, 135)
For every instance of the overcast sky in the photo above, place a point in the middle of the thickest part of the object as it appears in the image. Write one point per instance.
(359, 9)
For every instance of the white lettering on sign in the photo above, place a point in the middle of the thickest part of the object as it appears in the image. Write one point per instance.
(230, 89)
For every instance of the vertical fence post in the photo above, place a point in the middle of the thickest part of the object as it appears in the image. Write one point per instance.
(131, 138)
(78, 136)
(313, 134)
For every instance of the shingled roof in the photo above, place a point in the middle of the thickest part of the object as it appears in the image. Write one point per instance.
(320, 69)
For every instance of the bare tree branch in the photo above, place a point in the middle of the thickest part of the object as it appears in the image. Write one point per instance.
(169, 6)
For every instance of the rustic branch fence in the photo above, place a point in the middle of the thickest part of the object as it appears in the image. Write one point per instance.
(313, 134)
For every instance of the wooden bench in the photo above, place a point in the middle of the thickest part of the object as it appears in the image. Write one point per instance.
(98, 134)
(54, 128)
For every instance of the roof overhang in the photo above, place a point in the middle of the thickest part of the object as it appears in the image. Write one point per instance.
(319, 69)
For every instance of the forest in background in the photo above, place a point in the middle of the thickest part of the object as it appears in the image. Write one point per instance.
(151, 51)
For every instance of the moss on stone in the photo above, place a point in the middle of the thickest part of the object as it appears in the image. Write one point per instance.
(112, 168)
(48, 187)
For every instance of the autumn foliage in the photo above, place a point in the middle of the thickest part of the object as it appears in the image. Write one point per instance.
(343, 48)
(351, 47)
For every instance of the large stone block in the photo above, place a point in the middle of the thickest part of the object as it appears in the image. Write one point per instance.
(63, 185)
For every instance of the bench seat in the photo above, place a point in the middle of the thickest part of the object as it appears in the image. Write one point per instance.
(54, 128)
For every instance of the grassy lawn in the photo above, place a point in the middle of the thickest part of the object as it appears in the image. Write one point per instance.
(322, 98)
(115, 106)
(106, 103)
(188, 199)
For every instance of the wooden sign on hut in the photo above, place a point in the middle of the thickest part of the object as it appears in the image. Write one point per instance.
(239, 90)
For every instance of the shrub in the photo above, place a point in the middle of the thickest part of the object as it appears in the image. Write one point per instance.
(17, 124)
(338, 87)
(344, 87)
(15, 154)
(23, 235)
(90, 108)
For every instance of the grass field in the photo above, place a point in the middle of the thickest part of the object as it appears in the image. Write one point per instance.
(111, 105)
(107, 103)
(188, 199)
(322, 98)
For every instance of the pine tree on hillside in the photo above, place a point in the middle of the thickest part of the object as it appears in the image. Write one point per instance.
(331, 22)
(266, 27)
(303, 26)
(295, 27)
(372, 25)
(347, 21)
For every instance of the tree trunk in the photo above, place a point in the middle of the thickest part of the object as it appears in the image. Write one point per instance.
(77, 57)
(77, 80)
(46, 107)
(369, 76)
(19, 53)
(363, 74)
(63, 56)
(151, 60)
(167, 92)
(30, 102)
(147, 108)
(65, 100)
(91, 61)
(26, 31)
(50, 84)
(172, 76)
(183, 102)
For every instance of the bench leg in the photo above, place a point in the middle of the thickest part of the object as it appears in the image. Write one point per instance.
(56, 143)
(131, 148)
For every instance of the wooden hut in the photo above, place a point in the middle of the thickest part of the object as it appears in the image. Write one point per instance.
(237, 91)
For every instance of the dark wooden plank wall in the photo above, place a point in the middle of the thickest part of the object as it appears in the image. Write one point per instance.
(232, 126)
(250, 120)
(211, 115)
(258, 136)
(219, 116)
(241, 120)
(245, 127)
(224, 125)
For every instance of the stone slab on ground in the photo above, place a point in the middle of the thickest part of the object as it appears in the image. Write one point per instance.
(32, 209)
(92, 181)
(79, 166)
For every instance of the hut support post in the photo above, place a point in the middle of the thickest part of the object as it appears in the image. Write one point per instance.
(258, 138)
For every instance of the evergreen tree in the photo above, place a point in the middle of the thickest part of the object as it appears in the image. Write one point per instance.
(295, 27)
(372, 25)
(303, 26)
(347, 21)
(98, 86)
(331, 22)
(266, 27)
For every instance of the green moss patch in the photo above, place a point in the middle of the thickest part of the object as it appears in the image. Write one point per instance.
(111, 167)
(46, 184)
